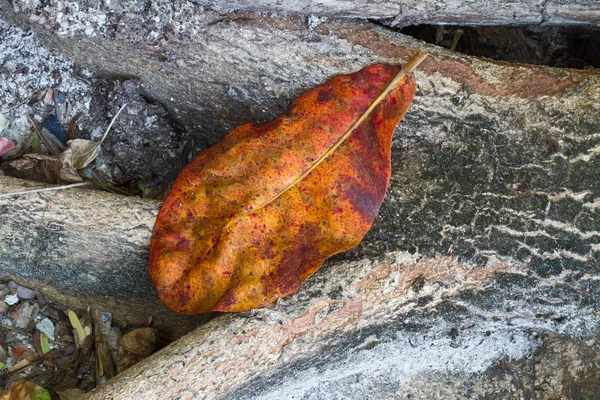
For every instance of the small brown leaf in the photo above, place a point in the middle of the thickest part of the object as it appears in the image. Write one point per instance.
(37, 342)
(135, 346)
(18, 351)
(84, 152)
(44, 168)
(18, 366)
(25, 390)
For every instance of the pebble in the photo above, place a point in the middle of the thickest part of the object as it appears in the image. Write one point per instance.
(46, 327)
(27, 312)
(11, 299)
(25, 293)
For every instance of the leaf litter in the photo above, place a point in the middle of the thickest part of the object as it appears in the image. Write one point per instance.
(47, 101)
(60, 168)
(47, 349)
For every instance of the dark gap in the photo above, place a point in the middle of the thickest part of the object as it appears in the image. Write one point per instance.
(555, 46)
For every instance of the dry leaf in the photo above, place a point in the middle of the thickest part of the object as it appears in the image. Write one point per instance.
(254, 216)
(84, 152)
(6, 145)
(106, 367)
(135, 346)
(76, 324)
(68, 172)
(44, 168)
(18, 366)
(25, 390)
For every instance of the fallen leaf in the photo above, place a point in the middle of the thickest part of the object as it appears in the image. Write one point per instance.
(18, 366)
(106, 367)
(18, 351)
(254, 216)
(73, 125)
(76, 324)
(68, 172)
(84, 152)
(135, 346)
(44, 343)
(44, 168)
(6, 145)
(36, 144)
(37, 342)
(25, 390)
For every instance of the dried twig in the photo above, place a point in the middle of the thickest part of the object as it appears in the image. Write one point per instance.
(45, 189)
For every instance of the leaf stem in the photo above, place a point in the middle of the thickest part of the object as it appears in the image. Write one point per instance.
(112, 122)
(45, 189)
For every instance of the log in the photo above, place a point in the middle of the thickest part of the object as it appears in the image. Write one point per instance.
(403, 327)
(483, 261)
(85, 248)
(395, 12)
(451, 12)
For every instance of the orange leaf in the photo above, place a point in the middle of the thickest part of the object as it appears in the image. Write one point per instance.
(254, 216)
(18, 351)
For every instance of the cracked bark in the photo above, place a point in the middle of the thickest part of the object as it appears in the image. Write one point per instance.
(487, 241)
(451, 12)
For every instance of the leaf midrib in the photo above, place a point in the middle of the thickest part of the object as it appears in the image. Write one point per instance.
(406, 69)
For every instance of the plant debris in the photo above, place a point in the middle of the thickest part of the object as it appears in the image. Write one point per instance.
(48, 349)
(49, 106)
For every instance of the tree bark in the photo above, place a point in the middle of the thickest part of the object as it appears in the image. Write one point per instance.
(84, 248)
(411, 12)
(425, 327)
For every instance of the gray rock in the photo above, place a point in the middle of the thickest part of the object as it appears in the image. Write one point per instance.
(46, 327)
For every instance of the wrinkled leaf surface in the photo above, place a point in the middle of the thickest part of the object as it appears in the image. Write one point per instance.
(254, 216)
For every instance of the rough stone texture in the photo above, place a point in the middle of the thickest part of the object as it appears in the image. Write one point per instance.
(396, 12)
(142, 143)
(494, 192)
(85, 248)
(405, 327)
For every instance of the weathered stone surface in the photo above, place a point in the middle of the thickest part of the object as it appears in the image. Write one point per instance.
(142, 144)
(424, 327)
(397, 12)
(84, 248)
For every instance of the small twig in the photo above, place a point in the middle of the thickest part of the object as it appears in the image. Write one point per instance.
(45, 189)
(112, 122)
(15, 106)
